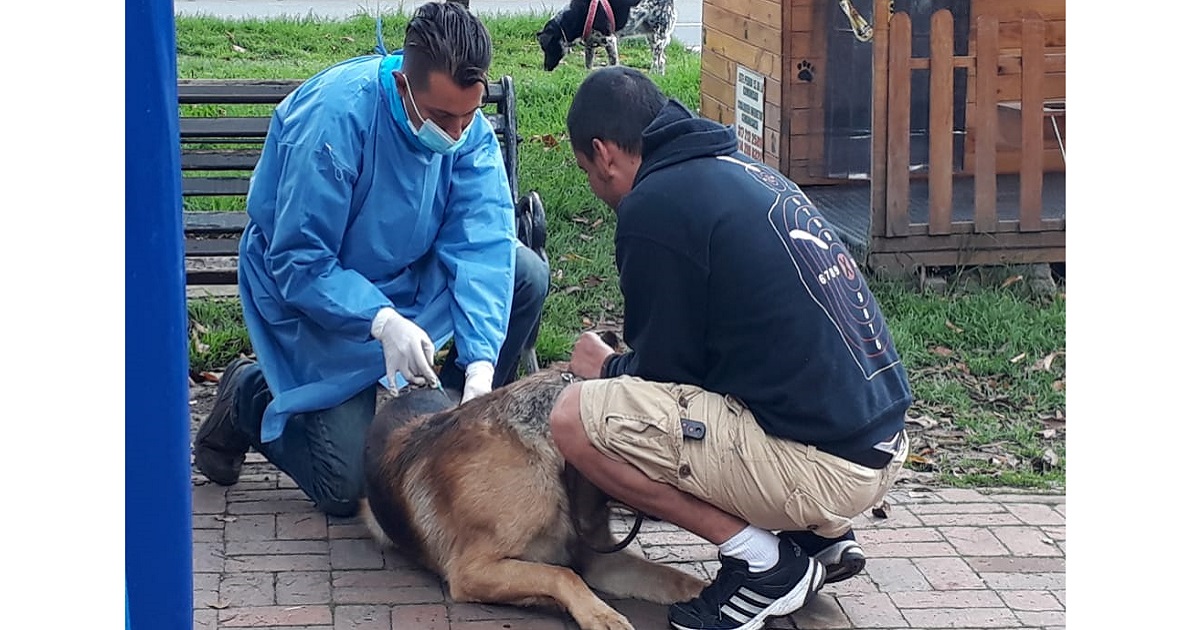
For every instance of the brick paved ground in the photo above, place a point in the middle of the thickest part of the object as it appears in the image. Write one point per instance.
(944, 558)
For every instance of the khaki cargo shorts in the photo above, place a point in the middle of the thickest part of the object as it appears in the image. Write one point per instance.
(769, 482)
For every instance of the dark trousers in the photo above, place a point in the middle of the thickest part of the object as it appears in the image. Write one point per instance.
(322, 451)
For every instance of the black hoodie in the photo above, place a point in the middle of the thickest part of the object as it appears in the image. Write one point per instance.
(734, 282)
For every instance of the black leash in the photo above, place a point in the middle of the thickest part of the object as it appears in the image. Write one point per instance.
(633, 532)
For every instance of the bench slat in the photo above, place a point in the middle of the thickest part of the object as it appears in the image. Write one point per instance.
(218, 160)
(214, 222)
(241, 92)
(265, 91)
(191, 128)
(215, 186)
(197, 247)
(205, 128)
(199, 277)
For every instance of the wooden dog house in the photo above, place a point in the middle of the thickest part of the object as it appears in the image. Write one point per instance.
(933, 137)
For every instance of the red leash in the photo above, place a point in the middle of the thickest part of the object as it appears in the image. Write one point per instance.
(587, 26)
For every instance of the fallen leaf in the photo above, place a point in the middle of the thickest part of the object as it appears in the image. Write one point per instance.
(881, 510)
(597, 223)
(1050, 457)
(593, 281)
(548, 140)
(200, 328)
(209, 377)
(1017, 359)
(347, 38)
(942, 351)
(237, 48)
(1011, 280)
(920, 462)
(1047, 361)
(923, 421)
(586, 237)
(1057, 386)
(587, 321)
(1048, 433)
(571, 289)
(951, 326)
(580, 220)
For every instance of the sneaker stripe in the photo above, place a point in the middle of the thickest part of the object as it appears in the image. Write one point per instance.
(735, 614)
(744, 606)
(757, 598)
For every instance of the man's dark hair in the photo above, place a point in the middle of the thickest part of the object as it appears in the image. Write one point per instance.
(613, 104)
(446, 37)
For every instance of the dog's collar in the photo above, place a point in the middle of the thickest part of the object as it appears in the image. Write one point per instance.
(591, 15)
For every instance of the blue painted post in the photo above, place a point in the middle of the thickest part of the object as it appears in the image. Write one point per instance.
(158, 491)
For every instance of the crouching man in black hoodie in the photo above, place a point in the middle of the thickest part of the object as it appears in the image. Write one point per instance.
(762, 392)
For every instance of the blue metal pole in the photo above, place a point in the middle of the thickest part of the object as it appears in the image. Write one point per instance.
(158, 494)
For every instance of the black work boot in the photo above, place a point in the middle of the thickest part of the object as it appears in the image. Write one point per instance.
(220, 449)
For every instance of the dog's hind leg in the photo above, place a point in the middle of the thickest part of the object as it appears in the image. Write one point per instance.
(658, 47)
(589, 55)
(610, 47)
(522, 583)
(624, 574)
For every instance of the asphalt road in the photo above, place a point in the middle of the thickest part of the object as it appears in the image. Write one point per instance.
(687, 27)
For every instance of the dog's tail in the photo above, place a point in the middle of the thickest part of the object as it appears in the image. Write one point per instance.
(368, 517)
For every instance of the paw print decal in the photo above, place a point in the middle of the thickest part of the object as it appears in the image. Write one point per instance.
(807, 71)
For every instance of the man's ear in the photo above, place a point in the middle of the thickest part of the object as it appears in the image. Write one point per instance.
(401, 81)
(603, 155)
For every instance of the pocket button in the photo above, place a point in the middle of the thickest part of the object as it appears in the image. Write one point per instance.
(685, 471)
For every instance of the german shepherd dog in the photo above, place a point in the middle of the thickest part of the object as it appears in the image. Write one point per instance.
(480, 495)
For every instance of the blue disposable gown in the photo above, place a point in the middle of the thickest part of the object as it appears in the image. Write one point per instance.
(349, 213)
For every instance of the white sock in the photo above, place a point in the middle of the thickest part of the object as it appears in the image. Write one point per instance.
(758, 547)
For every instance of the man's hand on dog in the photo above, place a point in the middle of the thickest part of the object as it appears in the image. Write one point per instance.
(588, 356)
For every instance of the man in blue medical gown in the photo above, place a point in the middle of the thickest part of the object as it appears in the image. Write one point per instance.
(380, 226)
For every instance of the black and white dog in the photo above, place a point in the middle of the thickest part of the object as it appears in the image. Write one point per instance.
(653, 20)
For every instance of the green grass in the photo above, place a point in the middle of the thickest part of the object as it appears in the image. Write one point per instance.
(987, 406)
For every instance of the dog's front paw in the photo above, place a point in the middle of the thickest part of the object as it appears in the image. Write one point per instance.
(608, 619)
(683, 588)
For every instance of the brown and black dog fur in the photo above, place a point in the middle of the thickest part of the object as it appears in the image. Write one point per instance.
(480, 495)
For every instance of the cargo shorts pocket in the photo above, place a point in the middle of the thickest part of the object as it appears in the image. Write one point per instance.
(650, 444)
(807, 513)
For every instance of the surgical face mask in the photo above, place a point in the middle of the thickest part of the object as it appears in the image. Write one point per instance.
(430, 134)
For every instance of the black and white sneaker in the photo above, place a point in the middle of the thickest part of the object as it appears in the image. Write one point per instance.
(740, 600)
(843, 557)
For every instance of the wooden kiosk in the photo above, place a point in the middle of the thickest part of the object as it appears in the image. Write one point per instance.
(935, 136)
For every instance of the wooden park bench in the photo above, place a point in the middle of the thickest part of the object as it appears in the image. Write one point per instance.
(220, 144)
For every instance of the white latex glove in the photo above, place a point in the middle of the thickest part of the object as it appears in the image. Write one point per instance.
(479, 380)
(406, 349)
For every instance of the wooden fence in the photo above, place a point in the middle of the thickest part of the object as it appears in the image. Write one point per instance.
(977, 234)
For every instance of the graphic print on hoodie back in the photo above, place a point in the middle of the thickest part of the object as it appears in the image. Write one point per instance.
(839, 286)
